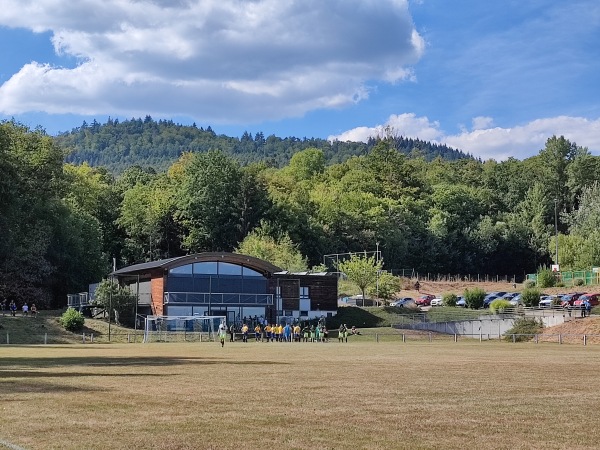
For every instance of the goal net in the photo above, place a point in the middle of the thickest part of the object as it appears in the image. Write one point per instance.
(182, 328)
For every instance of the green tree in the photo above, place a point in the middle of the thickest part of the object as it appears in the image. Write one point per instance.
(207, 202)
(280, 250)
(118, 300)
(361, 270)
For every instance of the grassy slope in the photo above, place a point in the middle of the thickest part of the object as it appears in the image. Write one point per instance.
(32, 330)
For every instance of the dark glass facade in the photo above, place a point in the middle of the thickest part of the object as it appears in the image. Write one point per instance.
(216, 286)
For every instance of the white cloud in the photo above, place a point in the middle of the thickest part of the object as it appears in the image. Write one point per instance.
(223, 60)
(498, 143)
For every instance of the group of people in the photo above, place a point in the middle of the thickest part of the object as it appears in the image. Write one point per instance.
(585, 306)
(284, 333)
(25, 309)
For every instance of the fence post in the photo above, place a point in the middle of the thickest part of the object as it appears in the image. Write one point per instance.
(429, 337)
(536, 338)
(560, 338)
(83, 337)
(480, 337)
(7, 339)
(455, 338)
(200, 338)
(45, 338)
(92, 338)
(376, 337)
(403, 337)
(585, 339)
(514, 339)
(128, 340)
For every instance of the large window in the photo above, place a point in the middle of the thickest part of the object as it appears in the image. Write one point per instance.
(216, 277)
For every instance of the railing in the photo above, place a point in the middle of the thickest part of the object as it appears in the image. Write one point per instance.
(218, 298)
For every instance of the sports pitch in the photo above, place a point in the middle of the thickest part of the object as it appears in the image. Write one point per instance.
(358, 395)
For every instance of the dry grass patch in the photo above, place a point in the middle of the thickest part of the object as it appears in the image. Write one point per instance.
(299, 396)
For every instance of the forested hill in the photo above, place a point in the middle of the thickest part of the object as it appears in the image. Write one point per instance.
(118, 145)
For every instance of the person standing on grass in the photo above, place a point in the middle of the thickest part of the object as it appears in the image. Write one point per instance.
(257, 332)
(13, 308)
(3, 306)
(25, 309)
(222, 333)
(33, 310)
(245, 333)
(343, 333)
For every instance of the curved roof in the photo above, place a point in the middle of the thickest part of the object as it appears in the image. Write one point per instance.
(259, 265)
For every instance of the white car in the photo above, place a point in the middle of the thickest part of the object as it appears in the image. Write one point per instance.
(437, 302)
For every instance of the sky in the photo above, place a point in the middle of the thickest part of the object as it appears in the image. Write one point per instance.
(495, 79)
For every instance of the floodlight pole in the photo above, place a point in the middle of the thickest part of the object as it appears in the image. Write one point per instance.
(556, 228)
(377, 279)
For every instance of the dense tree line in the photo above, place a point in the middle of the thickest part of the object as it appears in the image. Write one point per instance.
(62, 223)
(118, 145)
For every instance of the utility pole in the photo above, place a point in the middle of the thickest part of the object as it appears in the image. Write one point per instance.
(556, 229)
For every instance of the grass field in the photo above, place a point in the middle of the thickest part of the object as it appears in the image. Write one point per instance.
(359, 395)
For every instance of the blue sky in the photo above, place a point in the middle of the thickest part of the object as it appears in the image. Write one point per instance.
(495, 79)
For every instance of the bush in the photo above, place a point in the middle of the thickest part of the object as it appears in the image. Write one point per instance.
(474, 298)
(531, 297)
(546, 278)
(529, 284)
(499, 305)
(524, 328)
(72, 320)
(450, 299)
(578, 282)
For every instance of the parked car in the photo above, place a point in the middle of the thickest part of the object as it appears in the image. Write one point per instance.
(516, 300)
(593, 299)
(408, 302)
(404, 302)
(546, 301)
(437, 301)
(461, 302)
(569, 299)
(489, 299)
(424, 300)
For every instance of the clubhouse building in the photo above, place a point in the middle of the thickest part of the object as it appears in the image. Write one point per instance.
(231, 285)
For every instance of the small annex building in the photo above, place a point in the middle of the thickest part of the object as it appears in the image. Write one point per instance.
(231, 285)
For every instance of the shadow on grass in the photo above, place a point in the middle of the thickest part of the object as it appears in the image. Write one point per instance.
(26, 387)
(13, 364)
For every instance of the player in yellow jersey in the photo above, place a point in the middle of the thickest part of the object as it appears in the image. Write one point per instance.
(257, 332)
(245, 333)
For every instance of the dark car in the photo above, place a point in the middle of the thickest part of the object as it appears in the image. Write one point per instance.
(569, 299)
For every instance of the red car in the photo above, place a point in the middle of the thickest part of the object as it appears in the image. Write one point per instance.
(594, 299)
(424, 300)
(569, 299)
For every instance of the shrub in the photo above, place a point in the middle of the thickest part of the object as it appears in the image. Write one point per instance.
(531, 297)
(578, 282)
(560, 284)
(474, 298)
(450, 299)
(546, 278)
(499, 305)
(72, 320)
(529, 284)
(524, 328)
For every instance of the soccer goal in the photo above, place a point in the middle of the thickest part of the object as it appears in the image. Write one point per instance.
(182, 328)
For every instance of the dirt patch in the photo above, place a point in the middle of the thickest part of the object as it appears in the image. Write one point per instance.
(439, 288)
(572, 331)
